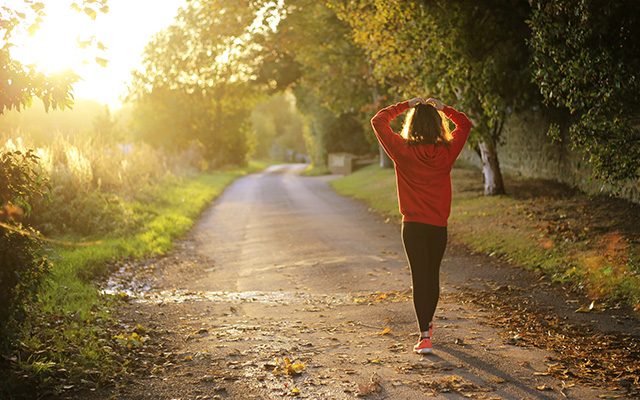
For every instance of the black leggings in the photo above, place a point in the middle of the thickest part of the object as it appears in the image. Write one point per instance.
(424, 246)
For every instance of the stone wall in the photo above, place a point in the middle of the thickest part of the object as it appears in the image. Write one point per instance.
(346, 163)
(527, 151)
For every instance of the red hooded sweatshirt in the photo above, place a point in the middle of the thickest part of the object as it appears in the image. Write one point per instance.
(423, 172)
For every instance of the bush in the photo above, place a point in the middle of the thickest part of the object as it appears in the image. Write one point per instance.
(21, 266)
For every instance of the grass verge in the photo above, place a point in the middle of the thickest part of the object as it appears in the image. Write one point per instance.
(70, 338)
(591, 243)
(312, 170)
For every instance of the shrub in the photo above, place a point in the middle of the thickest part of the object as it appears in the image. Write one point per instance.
(21, 266)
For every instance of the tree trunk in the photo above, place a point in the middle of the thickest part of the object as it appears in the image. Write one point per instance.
(385, 161)
(493, 184)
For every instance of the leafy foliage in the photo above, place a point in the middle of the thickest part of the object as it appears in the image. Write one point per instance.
(19, 83)
(332, 67)
(586, 57)
(194, 86)
(468, 53)
(21, 265)
(85, 214)
(276, 127)
(311, 53)
(20, 184)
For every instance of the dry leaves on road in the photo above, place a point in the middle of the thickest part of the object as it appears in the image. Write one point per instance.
(587, 357)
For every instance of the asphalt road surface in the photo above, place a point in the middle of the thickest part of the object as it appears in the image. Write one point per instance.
(284, 288)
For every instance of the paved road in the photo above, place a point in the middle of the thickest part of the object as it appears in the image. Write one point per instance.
(276, 230)
(280, 266)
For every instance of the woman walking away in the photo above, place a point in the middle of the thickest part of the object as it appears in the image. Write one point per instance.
(423, 158)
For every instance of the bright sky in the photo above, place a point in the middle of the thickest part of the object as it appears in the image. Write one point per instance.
(124, 31)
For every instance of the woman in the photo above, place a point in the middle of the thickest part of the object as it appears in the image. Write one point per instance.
(423, 158)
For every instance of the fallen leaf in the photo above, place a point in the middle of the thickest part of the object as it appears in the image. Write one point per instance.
(287, 367)
(590, 308)
(373, 386)
(350, 372)
(385, 331)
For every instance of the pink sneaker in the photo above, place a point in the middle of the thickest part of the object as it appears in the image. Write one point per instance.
(423, 346)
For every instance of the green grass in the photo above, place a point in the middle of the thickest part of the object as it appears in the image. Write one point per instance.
(536, 227)
(373, 185)
(312, 170)
(68, 330)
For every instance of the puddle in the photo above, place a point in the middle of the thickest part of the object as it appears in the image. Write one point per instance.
(279, 297)
(133, 282)
(129, 280)
(150, 296)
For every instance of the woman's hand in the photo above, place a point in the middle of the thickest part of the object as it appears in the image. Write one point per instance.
(414, 102)
(436, 103)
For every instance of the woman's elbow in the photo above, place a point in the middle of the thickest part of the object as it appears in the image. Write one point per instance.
(466, 124)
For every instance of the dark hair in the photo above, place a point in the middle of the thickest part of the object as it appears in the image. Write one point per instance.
(425, 125)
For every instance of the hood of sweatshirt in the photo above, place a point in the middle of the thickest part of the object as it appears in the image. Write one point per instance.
(430, 154)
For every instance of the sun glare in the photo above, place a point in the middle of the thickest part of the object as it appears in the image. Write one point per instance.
(52, 53)
(54, 47)
(124, 31)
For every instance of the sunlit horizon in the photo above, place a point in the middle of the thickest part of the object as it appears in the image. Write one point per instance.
(124, 31)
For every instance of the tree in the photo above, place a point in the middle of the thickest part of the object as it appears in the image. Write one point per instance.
(276, 128)
(472, 54)
(19, 83)
(310, 52)
(194, 83)
(586, 58)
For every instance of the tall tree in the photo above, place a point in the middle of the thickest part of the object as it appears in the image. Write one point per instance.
(194, 83)
(310, 52)
(472, 54)
(586, 58)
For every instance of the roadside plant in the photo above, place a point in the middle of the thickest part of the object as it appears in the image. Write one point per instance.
(22, 266)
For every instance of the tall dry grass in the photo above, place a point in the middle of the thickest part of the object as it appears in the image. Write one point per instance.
(98, 186)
